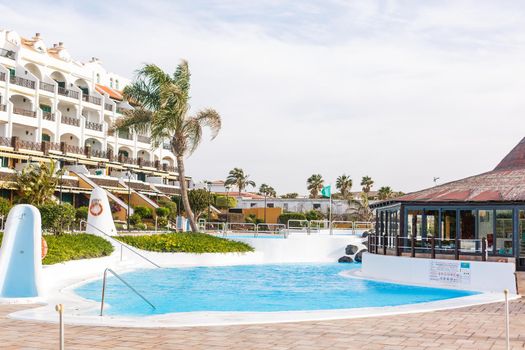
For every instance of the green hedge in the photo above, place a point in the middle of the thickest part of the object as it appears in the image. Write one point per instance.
(74, 247)
(185, 243)
(283, 218)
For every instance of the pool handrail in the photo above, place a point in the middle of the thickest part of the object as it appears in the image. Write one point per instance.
(125, 283)
(122, 245)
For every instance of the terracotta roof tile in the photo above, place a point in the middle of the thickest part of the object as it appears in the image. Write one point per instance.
(114, 94)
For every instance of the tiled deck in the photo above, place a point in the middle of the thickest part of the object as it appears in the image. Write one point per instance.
(480, 327)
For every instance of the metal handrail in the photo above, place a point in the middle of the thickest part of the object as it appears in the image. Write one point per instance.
(125, 283)
(121, 244)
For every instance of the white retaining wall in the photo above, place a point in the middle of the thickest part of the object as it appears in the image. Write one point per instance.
(456, 274)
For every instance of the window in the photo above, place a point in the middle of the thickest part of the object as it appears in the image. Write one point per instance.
(414, 223)
(45, 108)
(46, 137)
(111, 82)
(4, 162)
(448, 227)
(317, 205)
(285, 206)
(253, 205)
(116, 84)
(504, 232)
(432, 226)
(521, 230)
(467, 229)
(486, 227)
(270, 205)
(98, 78)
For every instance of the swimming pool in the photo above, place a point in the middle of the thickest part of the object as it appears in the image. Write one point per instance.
(255, 288)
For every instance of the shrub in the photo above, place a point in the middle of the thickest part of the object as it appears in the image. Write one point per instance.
(199, 201)
(56, 218)
(73, 247)
(141, 226)
(162, 221)
(5, 206)
(172, 206)
(81, 213)
(223, 202)
(314, 215)
(185, 243)
(284, 217)
(143, 212)
(135, 219)
(162, 212)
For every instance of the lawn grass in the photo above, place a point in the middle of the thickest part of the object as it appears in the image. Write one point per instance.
(74, 247)
(185, 243)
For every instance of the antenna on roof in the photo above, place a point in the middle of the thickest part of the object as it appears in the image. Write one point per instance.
(435, 180)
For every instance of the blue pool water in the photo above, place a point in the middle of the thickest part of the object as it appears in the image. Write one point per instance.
(286, 287)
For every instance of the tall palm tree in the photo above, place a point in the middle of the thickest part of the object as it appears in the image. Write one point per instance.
(163, 109)
(36, 183)
(367, 184)
(314, 184)
(267, 190)
(344, 185)
(385, 192)
(240, 179)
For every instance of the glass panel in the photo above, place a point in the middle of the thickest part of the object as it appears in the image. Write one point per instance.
(432, 223)
(504, 232)
(486, 227)
(467, 227)
(448, 228)
(521, 231)
(414, 223)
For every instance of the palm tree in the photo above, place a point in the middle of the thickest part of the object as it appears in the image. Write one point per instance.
(344, 185)
(362, 208)
(314, 184)
(240, 179)
(267, 190)
(385, 192)
(36, 183)
(162, 108)
(367, 184)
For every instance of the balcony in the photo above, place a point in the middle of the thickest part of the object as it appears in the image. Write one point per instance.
(47, 87)
(92, 99)
(108, 107)
(22, 82)
(29, 145)
(8, 54)
(68, 93)
(125, 135)
(143, 139)
(2, 76)
(24, 112)
(93, 126)
(70, 121)
(48, 116)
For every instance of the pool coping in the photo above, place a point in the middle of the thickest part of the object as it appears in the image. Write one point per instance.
(80, 311)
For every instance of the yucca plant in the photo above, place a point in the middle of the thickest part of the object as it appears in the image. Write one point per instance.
(36, 183)
(162, 101)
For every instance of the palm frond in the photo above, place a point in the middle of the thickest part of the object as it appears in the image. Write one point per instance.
(181, 77)
(210, 118)
(192, 131)
(139, 120)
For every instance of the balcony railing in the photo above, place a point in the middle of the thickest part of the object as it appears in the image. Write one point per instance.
(48, 116)
(93, 126)
(22, 82)
(5, 141)
(24, 112)
(8, 54)
(2, 76)
(125, 135)
(30, 145)
(143, 139)
(68, 93)
(54, 146)
(70, 121)
(92, 99)
(108, 107)
(47, 87)
(3, 108)
(74, 149)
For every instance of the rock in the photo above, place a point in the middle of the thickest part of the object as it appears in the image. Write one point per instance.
(345, 259)
(350, 249)
(365, 234)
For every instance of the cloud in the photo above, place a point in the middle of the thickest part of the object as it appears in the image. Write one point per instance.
(398, 90)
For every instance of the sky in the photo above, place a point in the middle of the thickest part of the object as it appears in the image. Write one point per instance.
(401, 91)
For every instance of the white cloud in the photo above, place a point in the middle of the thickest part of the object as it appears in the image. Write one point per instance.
(395, 90)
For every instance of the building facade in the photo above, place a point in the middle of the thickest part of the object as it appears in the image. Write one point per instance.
(54, 108)
(481, 216)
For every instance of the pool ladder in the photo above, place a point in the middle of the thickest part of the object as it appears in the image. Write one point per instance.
(125, 283)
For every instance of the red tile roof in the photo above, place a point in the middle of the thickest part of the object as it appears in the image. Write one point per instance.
(114, 94)
(505, 183)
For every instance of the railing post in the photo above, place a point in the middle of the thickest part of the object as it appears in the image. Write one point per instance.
(63, 147)
(384, 243)
(413, 246)
(457, 248)
(14, 143)
(60, 309)
(433, 248)
(87, 151)
(45, 147)
(484, 249)
(398, 252)
(109, 154)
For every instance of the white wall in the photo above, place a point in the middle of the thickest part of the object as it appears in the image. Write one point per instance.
(479, 276)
